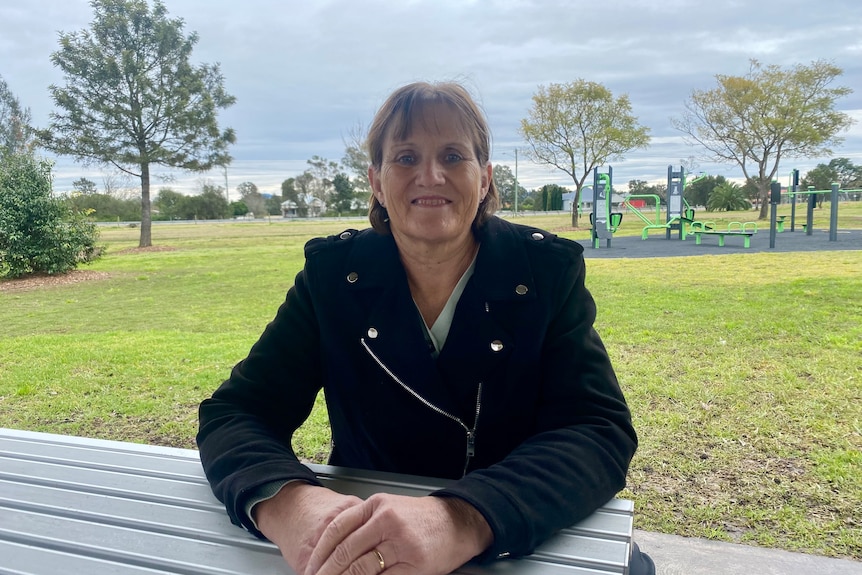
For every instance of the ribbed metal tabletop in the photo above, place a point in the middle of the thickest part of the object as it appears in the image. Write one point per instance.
(71, 505)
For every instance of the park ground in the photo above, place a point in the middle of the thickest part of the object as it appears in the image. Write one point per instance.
(743, 367)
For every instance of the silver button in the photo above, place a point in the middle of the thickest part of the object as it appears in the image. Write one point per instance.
(496, 345)
(521, 289)
(372, 332)
(345, 235)
(352, 277)
(537, 236)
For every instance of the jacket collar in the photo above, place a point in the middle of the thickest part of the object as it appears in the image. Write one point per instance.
(502, 267)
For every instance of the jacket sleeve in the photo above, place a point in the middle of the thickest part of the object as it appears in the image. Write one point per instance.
(245, 428)
(583, 440)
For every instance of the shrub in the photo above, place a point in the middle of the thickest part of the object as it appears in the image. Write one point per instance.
(39, 233)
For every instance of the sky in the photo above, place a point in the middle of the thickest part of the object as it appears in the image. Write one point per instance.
(308, 73)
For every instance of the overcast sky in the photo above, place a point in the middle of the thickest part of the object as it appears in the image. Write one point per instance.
(305, 73)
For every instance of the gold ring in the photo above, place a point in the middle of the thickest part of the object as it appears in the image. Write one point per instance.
(380, 560)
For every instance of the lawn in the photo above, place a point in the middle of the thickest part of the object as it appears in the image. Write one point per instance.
(743, 371)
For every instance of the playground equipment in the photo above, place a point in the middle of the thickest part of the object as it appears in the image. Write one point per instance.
(680, 215)
(744, 229)
(812, 203)
(604, 221)
(812, 194)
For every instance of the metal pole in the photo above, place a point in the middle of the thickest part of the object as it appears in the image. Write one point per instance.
(516, 181)
(774, 198)
(793, 211)
(812, 201)
(833, 214)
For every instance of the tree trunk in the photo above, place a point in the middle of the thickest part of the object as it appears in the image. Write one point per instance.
(764, 201)
(146, 214)
(575, 202)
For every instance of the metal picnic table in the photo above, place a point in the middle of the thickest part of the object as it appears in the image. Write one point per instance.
(71, 505)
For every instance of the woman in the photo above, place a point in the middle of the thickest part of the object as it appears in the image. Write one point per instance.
(449, 343)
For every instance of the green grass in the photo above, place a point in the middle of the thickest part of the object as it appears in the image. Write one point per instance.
(743, 371)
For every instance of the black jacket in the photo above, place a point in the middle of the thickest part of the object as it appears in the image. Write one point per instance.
(522, 396)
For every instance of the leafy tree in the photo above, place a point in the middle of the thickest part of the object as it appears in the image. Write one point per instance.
(342, 197)
(505, 180)
(697, 189)
(39, 233)
(16, 134)
(170, 204)
(549, 198)
(288, 190)
(771, 113)
(132, 98)
(84, 186)
(728, 196)
(105, 207)
(247, 189)
(839, 170)
(210, 204)
(579, 126)
(847, 174)
(272, 204)
(238, 208)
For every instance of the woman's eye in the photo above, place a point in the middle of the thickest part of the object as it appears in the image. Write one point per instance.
(453, 157)
(405, 159)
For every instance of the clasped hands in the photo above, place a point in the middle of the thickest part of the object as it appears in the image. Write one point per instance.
(321, 532)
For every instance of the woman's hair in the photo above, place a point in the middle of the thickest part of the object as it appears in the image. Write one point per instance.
(397, 117)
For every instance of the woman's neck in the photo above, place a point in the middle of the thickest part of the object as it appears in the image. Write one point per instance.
(434, 271)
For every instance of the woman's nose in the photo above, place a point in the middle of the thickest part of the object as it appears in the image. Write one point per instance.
(431, 173)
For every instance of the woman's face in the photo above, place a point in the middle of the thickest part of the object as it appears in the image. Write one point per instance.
(431, 183)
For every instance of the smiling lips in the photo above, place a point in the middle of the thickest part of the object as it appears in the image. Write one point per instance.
(430, 202)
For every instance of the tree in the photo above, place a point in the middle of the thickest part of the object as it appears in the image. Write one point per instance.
(549, 198)
(505, 181)
(356, 162)
(252, 198)
(238, 208)
(641, 187)
(839, 170)
(342, 196)
(84, 186)
(39, 233)
(288, 189)
(697, 189)
(770, 113)
(16, 134)
(728, 196)
(690, 164)
(210, 204)
(170, 204)
(323, 173)
(579, 126)
(133, 99)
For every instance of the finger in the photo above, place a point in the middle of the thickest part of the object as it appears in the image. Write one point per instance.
(337, 548)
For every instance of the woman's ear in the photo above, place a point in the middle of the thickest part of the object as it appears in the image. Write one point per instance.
(487, 176)
(374, 180)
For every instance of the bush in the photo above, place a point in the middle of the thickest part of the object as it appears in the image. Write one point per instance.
(38, 232)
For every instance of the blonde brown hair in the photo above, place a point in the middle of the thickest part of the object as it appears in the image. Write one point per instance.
(397, 117)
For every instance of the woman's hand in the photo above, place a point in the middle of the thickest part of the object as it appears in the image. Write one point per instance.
(296, 518)
(400, 535)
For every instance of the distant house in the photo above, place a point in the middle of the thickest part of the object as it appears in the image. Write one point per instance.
(313, 208)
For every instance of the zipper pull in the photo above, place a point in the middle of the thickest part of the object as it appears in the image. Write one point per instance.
(471, 444)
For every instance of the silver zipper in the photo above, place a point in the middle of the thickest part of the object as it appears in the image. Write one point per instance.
(471, 432)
